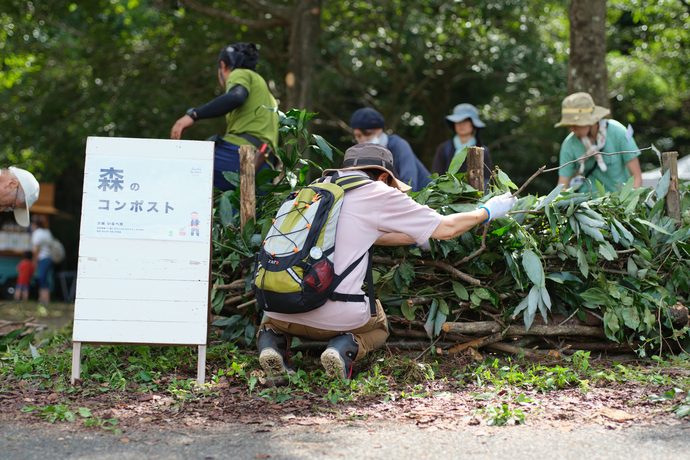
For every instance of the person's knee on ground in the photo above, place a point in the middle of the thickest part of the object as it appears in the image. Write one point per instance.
(273, 352)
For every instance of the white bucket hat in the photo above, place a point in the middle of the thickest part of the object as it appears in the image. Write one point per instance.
(578, 109)
(30, 187)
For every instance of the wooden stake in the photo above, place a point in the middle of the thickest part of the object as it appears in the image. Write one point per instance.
(475, 167)
(247, 184)
(669, 161)
(76, 361)
(201, 366)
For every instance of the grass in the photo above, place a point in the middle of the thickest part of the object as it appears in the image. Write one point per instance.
(500, 387)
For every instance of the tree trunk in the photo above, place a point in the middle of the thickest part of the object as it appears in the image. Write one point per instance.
(305, 32)
(587, 64)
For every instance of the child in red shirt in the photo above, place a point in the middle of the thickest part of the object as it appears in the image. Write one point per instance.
(25, 270)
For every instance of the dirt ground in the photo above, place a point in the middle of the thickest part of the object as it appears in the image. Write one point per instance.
(448, 404)
(55, 316)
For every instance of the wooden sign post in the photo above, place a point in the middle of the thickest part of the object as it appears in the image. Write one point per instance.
(144, 245)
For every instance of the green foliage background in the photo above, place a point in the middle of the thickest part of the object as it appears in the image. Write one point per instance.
(130, 68)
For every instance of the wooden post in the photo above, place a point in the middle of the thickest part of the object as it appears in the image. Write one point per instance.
(76, 362)
(475, 167)
(201, 366)
(669, 161)
(247, 184)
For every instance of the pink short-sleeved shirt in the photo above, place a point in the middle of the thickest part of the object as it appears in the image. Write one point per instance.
(368, 213)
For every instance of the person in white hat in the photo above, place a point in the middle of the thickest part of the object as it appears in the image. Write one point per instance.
(18, 191)
(592, 132)
(376, 213)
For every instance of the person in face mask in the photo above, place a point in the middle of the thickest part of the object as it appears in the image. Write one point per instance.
(367, 126)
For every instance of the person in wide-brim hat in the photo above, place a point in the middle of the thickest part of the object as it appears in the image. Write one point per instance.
(579, 109)
(373, 213)
(466, 126)
(592, 134)
(361, 157)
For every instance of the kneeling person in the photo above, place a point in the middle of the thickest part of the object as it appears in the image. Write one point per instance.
(376, 213)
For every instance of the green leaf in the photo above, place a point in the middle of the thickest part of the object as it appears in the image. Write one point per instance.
(533, 267)
(533, 304)
(408, 310)
(503, 179)
(597, 296)
(595, 233)
(457, 162)
(443, 307)
(562, 277)
(655, 227)
(551, 196)
(631, 317)
(323, 146)
(586, 220)
(611, 326)
(582, 262)
(438, 322)
(632, 267)
(431, 319)
(482, 293)
(627, 188)
(663, 184)
(524, 303)
(460, 291)
(607, 251)
(226, 210)
(225, 322)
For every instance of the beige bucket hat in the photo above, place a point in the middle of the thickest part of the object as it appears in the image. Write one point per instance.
(371, 156)
(578, 109)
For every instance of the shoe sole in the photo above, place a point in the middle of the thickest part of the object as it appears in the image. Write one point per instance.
(333, 363)
(271, 362)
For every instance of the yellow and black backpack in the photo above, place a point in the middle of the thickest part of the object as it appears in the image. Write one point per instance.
(293, 271)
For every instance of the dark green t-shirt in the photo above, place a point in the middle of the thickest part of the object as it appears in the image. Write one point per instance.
(250, 117)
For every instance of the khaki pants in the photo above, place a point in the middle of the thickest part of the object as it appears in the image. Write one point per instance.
(369, 337)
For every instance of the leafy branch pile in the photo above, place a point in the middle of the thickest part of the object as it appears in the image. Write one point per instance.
(567, 271)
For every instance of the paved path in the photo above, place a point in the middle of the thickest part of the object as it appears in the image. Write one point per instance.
(359, 440)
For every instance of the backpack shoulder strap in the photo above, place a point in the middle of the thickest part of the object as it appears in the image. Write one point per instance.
(352, 182)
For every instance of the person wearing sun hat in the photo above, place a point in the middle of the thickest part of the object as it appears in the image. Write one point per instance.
(591, 132)
(376, 213)
(19, 189)
(465, 123)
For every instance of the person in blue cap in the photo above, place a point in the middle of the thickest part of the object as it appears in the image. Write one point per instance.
(367, 126)
(465, 123)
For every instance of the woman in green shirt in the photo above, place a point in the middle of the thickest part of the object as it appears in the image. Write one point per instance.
(592, 132)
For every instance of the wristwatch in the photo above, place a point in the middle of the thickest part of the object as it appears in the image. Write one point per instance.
(191, 112)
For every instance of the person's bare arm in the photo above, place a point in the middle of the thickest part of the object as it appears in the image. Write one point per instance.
(181, 126)
(635, 170)
(455, 225)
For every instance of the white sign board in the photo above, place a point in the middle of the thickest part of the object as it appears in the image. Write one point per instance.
(145, 242)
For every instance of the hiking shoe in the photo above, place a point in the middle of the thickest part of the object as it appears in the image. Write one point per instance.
(340, 355)
(273, 355)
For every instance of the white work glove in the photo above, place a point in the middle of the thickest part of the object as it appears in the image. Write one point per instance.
(499, 206)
